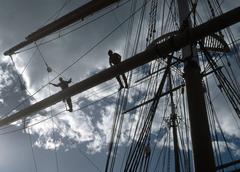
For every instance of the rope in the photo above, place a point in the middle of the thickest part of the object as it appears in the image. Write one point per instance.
(32, 151)
(136, 154)
(83, 154)
(53, 130)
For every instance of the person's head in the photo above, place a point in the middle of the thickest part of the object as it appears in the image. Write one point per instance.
(60, 79)
(110, 52)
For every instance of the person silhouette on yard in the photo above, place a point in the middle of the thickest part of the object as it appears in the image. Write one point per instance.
(115, 59)
(64, 84)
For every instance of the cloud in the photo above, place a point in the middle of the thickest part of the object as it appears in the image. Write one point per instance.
(223, 147)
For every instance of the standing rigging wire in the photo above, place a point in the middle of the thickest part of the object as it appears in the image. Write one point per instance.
(136, 43)
(152, 29)
(114, 130)
(214, 134)
(225, 85)
(56, 14)
(118, 136)
(229, 34)
(149, 68)
(30, 144)
(121, 107)
(182, 154)
(139, 30)
(19, 77)
(130, 30)
(165, 152)
(186, 124)
(179, 122)
(81, 152)
(136, 154)
(171, 16)
(213, 121)
(53, 128)
(184, 137)
(168, 155)
(147, 89)
(161, 128)
(49, 69)
(174, 124)
(161, 151)
(163, 18)
(230, 38)
(32, 151)
(230, 73)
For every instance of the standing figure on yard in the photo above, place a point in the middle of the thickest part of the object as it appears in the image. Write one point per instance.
(64, 84)
(115, 59)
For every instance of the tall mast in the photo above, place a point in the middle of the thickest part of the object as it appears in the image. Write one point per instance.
(200, 132)
(174, 125)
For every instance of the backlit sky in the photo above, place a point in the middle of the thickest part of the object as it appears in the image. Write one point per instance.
(81, 135)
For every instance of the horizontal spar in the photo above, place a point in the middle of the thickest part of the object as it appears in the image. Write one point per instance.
(159, 50)
(151, 100)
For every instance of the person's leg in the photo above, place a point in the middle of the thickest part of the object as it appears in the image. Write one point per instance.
(120, 82)
(69, 102)
(125, 80)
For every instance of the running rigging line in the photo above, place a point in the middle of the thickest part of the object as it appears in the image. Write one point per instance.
(137, 148)
(224, 84)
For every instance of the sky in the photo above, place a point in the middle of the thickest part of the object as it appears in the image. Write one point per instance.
(75, 141)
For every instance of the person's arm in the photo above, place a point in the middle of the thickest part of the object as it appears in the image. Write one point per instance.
(120, 57)
(69, 81)
(56, 85)
(110, 62)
